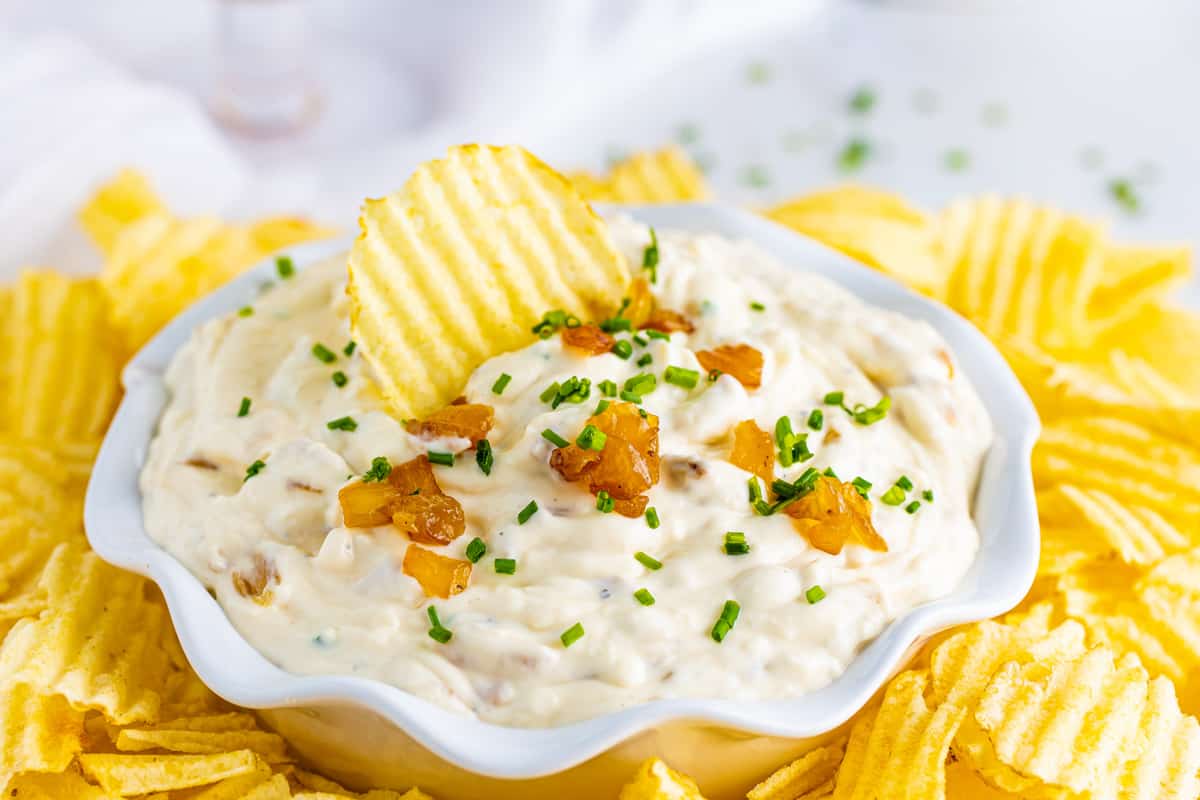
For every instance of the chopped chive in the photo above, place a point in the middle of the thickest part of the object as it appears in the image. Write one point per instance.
(893, 496)
(653, 334)
(438, 632)
(862, 485)
(600, 408)
(342, 424)
(681, 377)
(640, 341)
(323, 353)
(591, 438)
(608, 388)
(604, 502)
(285, 267)
(649, 562)
(553, 321)
(756, 492)
(630, 397)
(814, 594)
(475, 550)
(904, 483)
(912, 507)
(829, 473)
(622, 349)
(644, 597)
(484, 456)
(869, 415)
(1126, 196)
(339, 379)
(444, 459)
(380, 469)
(645, 360)
(505, 566)
(927, 495)
(246, 311)
(641, 384)
(244, 408)
(863, 100)
(572, 634)
(956, 160)
(253, 470)
(550, 393)
(854, 154)
(736, 544)
(650, 257)
(348, 350)
(501, 383)
(652, 518)
(527, 512)
(554, 438)
(816, 419)
(725, 622)
(757, 306)
(835, 398)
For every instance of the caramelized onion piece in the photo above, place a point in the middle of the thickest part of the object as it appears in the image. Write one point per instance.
(435, 519)
(629, 463)
(834, 514)
(753, 450)
(641, 302)
(439, 576)
(256, 584)
(667, 321)
(464, 420)
(365, 505)
(633, 507)
(739, 360)
(588, 338)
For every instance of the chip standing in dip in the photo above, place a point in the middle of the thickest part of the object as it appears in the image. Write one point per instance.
(724, 490)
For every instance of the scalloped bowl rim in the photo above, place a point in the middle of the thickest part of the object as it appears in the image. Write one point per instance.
(1005, 511)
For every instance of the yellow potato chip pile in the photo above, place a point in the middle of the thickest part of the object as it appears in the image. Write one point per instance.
(1087, 690)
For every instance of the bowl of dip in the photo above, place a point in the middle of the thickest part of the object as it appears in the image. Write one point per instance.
(699, 626)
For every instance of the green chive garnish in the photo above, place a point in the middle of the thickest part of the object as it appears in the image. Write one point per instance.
(600, 408)
(854, 155)
(814, 595)
(505, 566)
(863, 100)
(622, 349)
(681, 377)
(829, 473)
(484, 457)
(246, 311)
(956, 160)
(340, 379)
(475, 550)
(835, 398)
(653, 334)
(816, 419)
(757, 306)
(380, 469)
(604, 502)
(348, 350)
(927, 495)
(641, 384)
(438, 633)
(640, 341)
(323, 353)
(904, 483)
(1123, 192)
(862, 485)
(342, 424)
(736, 544)
(501, 383)
(645, 360)
(650, 257)
(893, 496)
(554, 438)
(724, 624)
(647, 561)
(550, 393)
(652, 518)
(644, 597)
(912, 507)
(869, 415)
(591, 438)
(572, 634)
(608, 388)
(253, 470)
(244, 408)
(444, 459)
(527, 512)
(285, 267)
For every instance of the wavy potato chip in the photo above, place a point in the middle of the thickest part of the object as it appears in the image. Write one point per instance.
(1163, 337)
(122, 774)
(269, 746)
(1132, 277)
(809, 776)
(459, 264)
(64, 360)
(68, 785)
(38, 732)
(1133, 533)
(667, 175)
(126, 198)
(654, 780)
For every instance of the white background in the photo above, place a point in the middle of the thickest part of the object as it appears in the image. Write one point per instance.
(1050, 99)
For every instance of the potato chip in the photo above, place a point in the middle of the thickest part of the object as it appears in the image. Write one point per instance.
(272, 234)
(1133, 277)
(1135, 534)
(122, 201)
(1163, 337)
(211, 723)
(65, 360)
(1164, 761)
(38, 732)
(68, 785)
(853, 200)
(123, 774)
(458, 266)
(268, 745)
(235, 788)
(811, 775)
(100, 645)
(654, 780)
(658, 176)
(900, 749)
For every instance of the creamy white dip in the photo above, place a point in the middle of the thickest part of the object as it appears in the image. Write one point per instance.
(342, 604)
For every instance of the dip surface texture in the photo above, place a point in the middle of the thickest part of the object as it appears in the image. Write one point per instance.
(316, 597)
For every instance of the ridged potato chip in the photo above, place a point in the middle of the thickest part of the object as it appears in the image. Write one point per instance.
(654, 780)
(1163, 337)
(899, 749)
(122, 774)
(1133, 533)
(459, 264)
(64, 360)
(667, 175)
(68, 785)
(39, 732)
(1133, 277)
(810, 776)
(1164, 760)
(269, 746)
(126, 198)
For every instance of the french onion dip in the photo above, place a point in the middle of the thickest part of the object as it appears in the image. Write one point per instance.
(723, 491)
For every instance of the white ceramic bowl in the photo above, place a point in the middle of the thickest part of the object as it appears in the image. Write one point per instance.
(366, 732)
